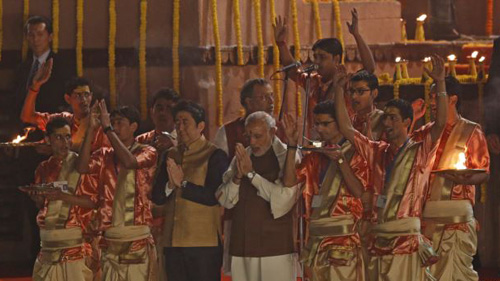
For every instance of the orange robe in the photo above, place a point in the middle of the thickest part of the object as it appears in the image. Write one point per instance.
(47, 172)
(103, 164)
(100, 139)
(379, 155)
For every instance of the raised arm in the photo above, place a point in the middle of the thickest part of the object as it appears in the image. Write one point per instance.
(125, 157)
(438, 74)
(353, 184)
(364, 51)
(343, 121)
(280, 36)
(28, 112)
(83, 161)
(292, 133)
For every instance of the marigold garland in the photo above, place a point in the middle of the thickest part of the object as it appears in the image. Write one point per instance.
(175, 46)
(112, 54)
(317, 20)
(79, 38)
(237, 26)
(26, 12)
(396, 89)
(1, 28)
(218, 64)
(338, 24)
(55, 26)
(489, 17)
(142, 60)
(298, 101)
(295, 27)
(276, 63)
(260, 40)
(427, 99)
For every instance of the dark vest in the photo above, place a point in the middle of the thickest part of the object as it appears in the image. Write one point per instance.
(254, 232)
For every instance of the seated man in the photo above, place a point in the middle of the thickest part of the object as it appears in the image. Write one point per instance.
(401, 167)
(188, 177)
(77, 94)
(332, 202)
(63, 214)
(125, 172)
(262, 241)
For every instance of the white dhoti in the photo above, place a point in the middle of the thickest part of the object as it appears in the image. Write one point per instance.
(64, 271)
(274, 268)
(121, 264)
(396, 268)
(455, 248)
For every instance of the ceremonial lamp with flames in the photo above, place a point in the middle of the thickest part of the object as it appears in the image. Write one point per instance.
(481, 75)
(460, 165)
(472, 64)
(419, 32)
(398, 75)
(427, 64)
(452, 61)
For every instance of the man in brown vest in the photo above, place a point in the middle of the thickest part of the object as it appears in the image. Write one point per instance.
(262, 242)
(186, 182)
(256, 95)
(448, 212)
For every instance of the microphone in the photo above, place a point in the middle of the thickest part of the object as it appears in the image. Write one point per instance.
(290, 66)
(310, 68)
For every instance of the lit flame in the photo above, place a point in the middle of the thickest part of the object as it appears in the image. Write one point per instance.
(481, 59)
(427, 59)
(398, 59)
(452, 57)
(460, 165)
(19, 138)
(317, 144)
(474, 54)
(422, 17)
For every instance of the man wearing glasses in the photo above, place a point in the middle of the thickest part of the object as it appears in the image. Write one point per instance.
(77, 94)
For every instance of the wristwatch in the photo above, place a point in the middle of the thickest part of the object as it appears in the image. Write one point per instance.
(108, 128)
(183, 184)
(250, 175)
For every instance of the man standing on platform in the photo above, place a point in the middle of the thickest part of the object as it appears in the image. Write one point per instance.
(327, 56)
(62, 210)
(262, 241)
(125, 173)
(401, 168)
(77, 94)
(335, 178)
(188, 177)
(448, 213)
(256, 95)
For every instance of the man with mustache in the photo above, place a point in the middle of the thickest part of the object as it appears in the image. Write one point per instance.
(401, 168)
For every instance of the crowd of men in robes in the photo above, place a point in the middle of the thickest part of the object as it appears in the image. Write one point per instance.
(149, 207)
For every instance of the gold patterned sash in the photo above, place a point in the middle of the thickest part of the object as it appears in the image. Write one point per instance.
(441, 188)
(396, 187)
(124, 199)
(120, 240)
(322, 225)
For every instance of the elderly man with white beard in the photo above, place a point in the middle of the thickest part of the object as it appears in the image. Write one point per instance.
(262, 241)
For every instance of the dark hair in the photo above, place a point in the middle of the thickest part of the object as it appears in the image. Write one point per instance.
(165, 93)
(129, 112)
(247, 90)
(370, 78)
(75, 82)
(325, 107)
(453, 88)
(36, 20)
(55, 123)
(196, 110)
(329, 45)
(405, 108)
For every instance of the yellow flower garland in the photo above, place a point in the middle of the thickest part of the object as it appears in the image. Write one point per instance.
(1, 28)
(427, 98)
(317, 20)
(295, 27)
(218, 64)
(237, 25)
(260, 40)
(55, 26)
(396, 89)
(142, 60)
(338, 24)
(298, 101)
(111, 53)
(276, 63)
(79, 38)
(175, 47)
(26, 13)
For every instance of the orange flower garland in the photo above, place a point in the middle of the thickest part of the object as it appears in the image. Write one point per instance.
(142, 60)
(111, 54)
(218, 64)
(276, 63)
(79, 38)
(26, 13)
(317, 20)
(260, 40)
(175, 47)
(55, 26)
